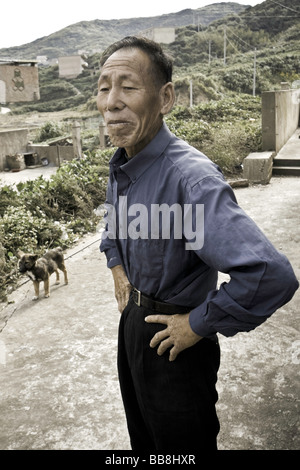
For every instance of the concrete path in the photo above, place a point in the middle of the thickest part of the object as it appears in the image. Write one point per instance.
(11, 177)
(59, 386)
(291, 150)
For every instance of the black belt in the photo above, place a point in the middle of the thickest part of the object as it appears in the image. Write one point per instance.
(142, 300)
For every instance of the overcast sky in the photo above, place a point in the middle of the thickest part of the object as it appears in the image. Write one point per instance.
(23, 21)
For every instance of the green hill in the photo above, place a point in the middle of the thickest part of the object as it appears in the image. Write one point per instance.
(219, 58)
(96, 35)
(225, 52)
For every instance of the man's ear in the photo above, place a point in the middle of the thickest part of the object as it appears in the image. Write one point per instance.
(167, 94)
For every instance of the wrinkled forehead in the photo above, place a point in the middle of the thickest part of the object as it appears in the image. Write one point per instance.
(132, 61)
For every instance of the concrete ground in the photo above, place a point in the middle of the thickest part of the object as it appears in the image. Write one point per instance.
(59, 385)
(12, 178)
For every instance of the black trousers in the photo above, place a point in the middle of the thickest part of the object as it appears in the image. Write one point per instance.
(169, 406)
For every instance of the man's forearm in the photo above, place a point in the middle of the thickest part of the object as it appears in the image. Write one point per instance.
(122, 286)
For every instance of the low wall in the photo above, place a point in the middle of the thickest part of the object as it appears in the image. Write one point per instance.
(55, 154)
(280, 117)
(12, 141)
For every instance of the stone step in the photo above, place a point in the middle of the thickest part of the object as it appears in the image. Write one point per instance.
(286, 170)
(295, 162)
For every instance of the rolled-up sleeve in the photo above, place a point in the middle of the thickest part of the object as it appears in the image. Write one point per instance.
(261, 278)
(108, 239)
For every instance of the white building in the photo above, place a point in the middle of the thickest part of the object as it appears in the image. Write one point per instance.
(160, 35)
(70, 66)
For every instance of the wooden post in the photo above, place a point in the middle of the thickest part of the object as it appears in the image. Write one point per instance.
(77, 140)
(102, 135)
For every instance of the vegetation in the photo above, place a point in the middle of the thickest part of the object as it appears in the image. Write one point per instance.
(98, 34)
(40, 214)
(224, 121)
(226, 130)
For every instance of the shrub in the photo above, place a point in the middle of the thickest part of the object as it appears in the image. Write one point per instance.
(57, 90)
(226, 130)
(231, 144)
(49, 130)
(41, 214)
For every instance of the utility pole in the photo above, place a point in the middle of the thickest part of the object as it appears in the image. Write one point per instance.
(254, 72)
(224, 45)
(191, 93)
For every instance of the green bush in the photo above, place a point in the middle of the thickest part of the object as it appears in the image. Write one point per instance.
(49, 130)
(40, 214)
(231, 144)
(226, 130)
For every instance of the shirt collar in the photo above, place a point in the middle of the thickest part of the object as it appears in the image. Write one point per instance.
(138, 164)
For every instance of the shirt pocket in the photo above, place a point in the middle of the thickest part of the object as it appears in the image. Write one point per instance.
(146, 264)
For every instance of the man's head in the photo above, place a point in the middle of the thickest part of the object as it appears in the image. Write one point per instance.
(134, 92)
(162, 65)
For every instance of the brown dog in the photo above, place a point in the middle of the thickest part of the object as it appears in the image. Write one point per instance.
(40, 269)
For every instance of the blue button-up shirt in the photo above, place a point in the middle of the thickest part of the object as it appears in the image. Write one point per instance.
(183, 270)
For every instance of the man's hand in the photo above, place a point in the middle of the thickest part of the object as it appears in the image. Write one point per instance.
(178, 334)
(122, 287)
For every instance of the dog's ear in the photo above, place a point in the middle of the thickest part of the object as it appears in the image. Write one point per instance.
(20, 253)
(33, 258)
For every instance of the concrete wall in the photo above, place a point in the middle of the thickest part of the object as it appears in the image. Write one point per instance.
(161, 35)
(19, 83)
(70, 66)
(12, 141)
(55, 154)
(280, 117)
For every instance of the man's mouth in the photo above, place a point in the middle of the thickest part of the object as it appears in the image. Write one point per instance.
(117, 122)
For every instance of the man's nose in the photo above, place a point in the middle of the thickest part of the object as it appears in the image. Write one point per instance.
(114, 100)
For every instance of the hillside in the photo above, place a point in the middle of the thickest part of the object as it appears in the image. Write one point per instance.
(92, 36)
(269, 24)
(198, 53)
(267, 36)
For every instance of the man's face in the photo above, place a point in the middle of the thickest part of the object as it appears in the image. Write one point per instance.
(129, 100)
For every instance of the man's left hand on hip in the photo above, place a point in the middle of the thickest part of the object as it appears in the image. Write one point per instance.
(178, 335)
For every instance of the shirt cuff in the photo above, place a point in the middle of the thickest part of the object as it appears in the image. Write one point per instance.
(114, 261)
(198, 322)
(112, 256)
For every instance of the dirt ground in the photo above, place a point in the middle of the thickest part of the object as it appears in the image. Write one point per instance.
(59, 385)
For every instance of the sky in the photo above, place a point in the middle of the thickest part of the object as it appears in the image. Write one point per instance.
(23, 21)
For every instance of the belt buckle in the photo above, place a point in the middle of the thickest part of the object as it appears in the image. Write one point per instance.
(137, 297)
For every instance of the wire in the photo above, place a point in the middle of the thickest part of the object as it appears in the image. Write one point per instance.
(284, 6)
(232, 45)
(240, 39)
(271, 16)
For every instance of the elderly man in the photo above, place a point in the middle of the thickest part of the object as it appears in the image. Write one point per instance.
(172, 224)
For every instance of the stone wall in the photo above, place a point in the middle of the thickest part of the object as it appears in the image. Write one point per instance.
(12, 141)
(55, 154)
(19, 83)
(280, 117)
